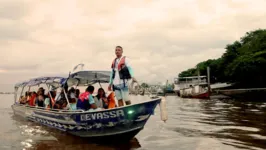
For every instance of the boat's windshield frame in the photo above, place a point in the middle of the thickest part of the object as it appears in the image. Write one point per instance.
(85, 78)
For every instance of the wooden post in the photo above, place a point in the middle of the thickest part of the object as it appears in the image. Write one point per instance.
(198, 76)
(165, 87)
(208, 76)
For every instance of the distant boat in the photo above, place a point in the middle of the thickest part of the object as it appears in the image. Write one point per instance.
(192, 87)
(120, 123)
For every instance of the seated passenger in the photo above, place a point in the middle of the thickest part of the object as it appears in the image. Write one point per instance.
(39, 100)
(77, 92)
(50, 100)
(72, 99)
(86, 101)
(22, 99)
(32, 98)
(28, 98)
(100, 99)
(60, 100)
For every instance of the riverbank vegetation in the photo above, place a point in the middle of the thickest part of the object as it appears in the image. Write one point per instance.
(243, 63)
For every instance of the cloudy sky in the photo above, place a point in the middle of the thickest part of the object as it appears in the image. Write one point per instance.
(161, 37)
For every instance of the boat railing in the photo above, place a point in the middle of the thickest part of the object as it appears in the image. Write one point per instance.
(191, 82)
(81, 111)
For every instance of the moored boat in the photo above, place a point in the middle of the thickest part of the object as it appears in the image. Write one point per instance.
(203, 95)
(119, 123)
(192, 87)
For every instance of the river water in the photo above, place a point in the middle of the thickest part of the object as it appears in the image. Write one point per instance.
(192, 125)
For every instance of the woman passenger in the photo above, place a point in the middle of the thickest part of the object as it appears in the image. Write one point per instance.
(39, 101)
(50, 100)
(72, 99)
(77, 92)
(32, 98)
(23, 99)
(100, 99)
(28, 98)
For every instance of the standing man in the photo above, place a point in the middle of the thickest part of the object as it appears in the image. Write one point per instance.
(121, 73)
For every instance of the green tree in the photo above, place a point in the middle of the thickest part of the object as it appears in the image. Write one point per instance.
(144, 85)
(243, 63)
(189, 72)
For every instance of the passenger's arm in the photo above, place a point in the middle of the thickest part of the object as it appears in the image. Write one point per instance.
(92, 102)
(128, 64)
(111, 78)
(36, 101)
(110, 81)
(47, 102)
(93, 106)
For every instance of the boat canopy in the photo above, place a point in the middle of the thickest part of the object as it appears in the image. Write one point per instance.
(77, 78)
(54, 81)
(84, 78)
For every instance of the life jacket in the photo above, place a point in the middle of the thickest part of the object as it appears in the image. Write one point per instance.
(31, 101)
(122, 69)
(83, 101)
(111, 100)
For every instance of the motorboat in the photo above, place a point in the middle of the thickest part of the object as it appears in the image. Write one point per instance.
(120, 123)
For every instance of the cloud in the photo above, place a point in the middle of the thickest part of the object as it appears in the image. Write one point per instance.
(161, 39)
(13, 9)
(2, 71)
(20, 67)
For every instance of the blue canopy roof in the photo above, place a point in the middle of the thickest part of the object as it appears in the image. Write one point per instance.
(42, 80)
(80, 78)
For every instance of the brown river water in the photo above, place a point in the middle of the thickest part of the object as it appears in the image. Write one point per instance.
(192, 125)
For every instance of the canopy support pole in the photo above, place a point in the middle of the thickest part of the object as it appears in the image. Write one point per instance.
(21, 91)
(67, 99)
(49, 92)
(77, 84)
(15, 95)
(100, 84)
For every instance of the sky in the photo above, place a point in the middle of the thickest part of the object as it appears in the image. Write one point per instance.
(160, 37)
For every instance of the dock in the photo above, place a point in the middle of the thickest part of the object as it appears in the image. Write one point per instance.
(248, 94)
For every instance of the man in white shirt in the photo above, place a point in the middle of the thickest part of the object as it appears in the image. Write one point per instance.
(121, 73)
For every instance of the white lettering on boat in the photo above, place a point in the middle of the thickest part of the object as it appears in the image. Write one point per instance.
(102, 115)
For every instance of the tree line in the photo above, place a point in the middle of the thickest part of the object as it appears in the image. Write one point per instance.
(169, 85)
(243, 63)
